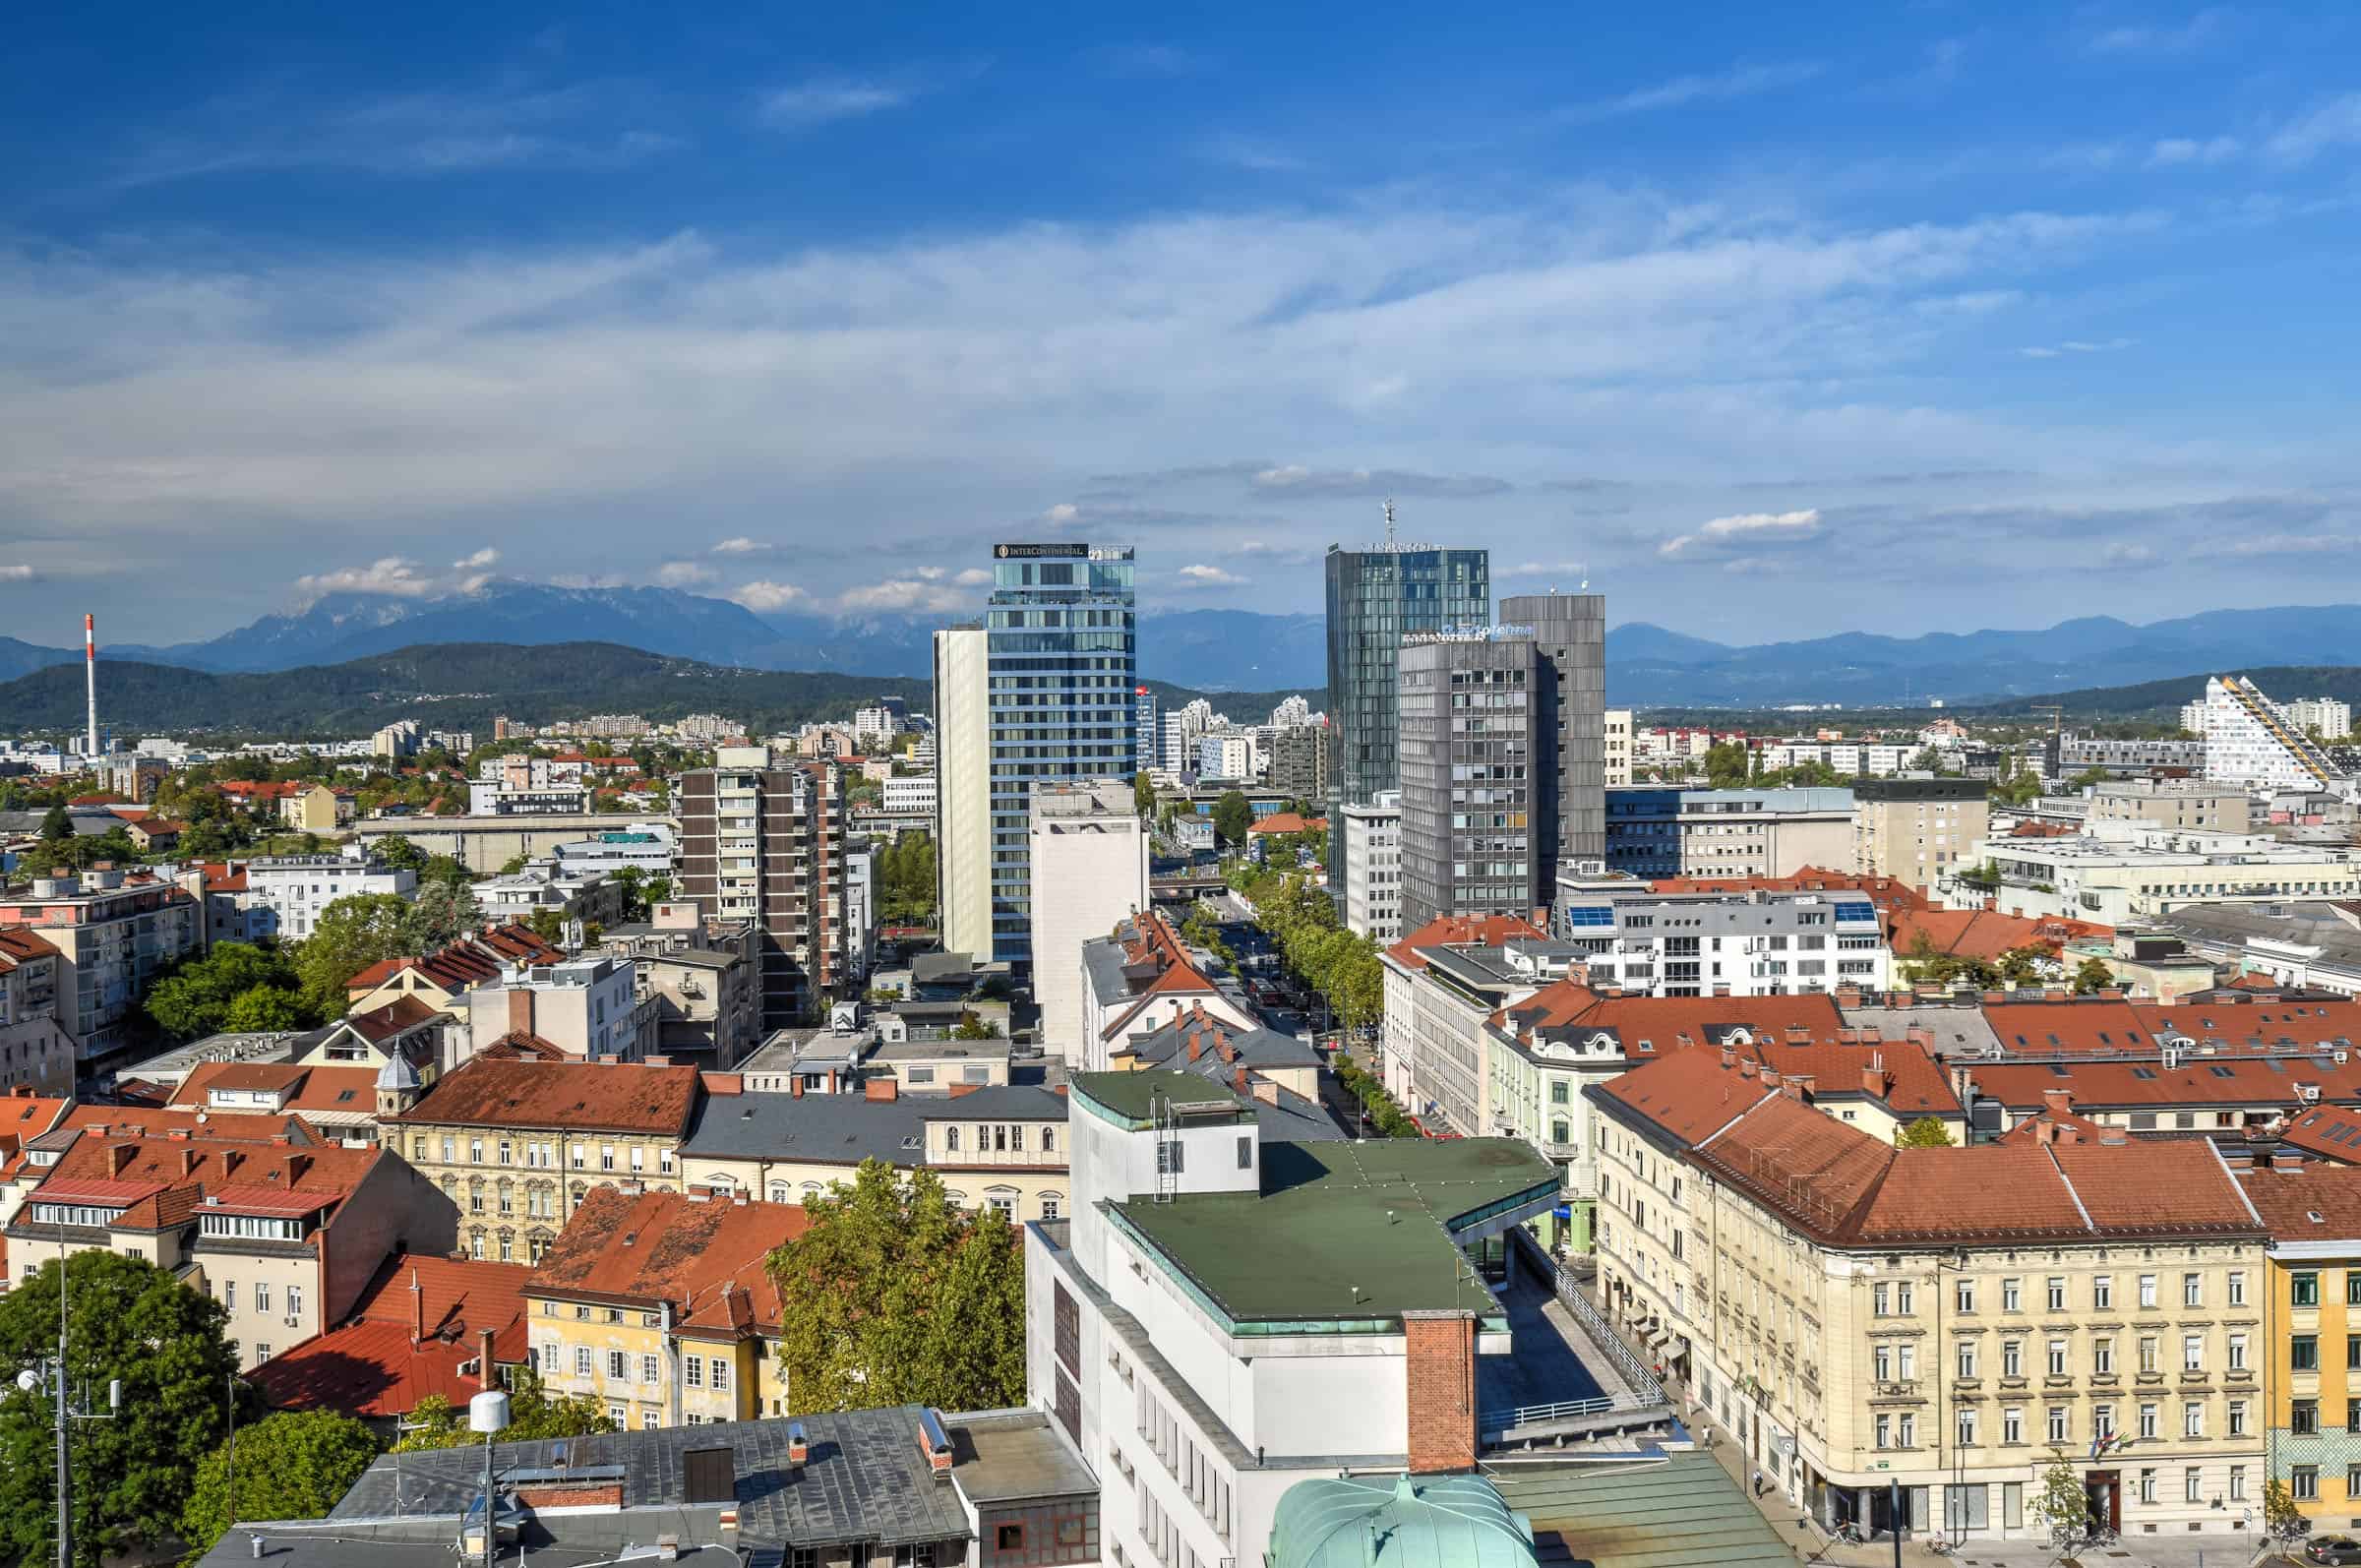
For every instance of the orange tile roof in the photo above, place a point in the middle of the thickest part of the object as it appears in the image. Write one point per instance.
(704, 1255)
(527, 1092)
(2243, 1081)
(2316, 1203)
(175, 1174)
(18, 945)
(340, 1089)
(1287, 822)
(2329, 1132)
(2052, 1124)
(2260, 1021)
(414, 1328)
(1447, 930)
(1980, 932)
(235, 1126)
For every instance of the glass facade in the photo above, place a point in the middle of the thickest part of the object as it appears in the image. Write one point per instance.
(1374, 596)
(1062, 649)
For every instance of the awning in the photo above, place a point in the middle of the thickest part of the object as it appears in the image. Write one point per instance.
(1661, 1338)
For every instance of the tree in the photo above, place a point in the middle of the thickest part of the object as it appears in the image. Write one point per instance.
(56, 824)
(351, 934)
(534, 1413)
(446, 870)
(2089, 776)
(2280, 1516)
(442, 913)
(294, 1465)
(1233, 818)
(398, 854)
(266, 1009)
(129, 1320)
(1927, 1133)
(1727, 765)
(973, 1027)
(633, 882)
(2022, 966)
(2061, 1502)
(893, 1295)
(2091, 975)
(200, 995)
(513, 865)
(1143, 795)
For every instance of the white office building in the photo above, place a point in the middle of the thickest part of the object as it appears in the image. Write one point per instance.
(1090, 874)
(286, 893)
(652, 847)
(1226, 754)
(1373, 868)
(1211, 1335)
(963, 796)
(2333, 720)
(909, 795)
(1721, 945)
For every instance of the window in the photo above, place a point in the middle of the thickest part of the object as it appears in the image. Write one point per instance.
(262, 1296)
(2148, 1485)
(2057, 1292)
(1967, 1427)
(230, 1294)
(2237, 1353)
(1966, 1357)
(475, 1151)
(2192, 1420)
(1882, 1358)
(2102, 1422)
(2237, 1417)
(2103, 1355)
(1009, 1537)
(2059, 1432)
(582, 1361)
(1880, 1302)
(650, 1368)
(2305, 1482)
(1246, 1154)
(2057, 1357)
(2193, 1485)
(2147, 1291)
(261, 1353)
(2237, 1483)
(294, 1300)
(2011, 1424)
(1170, 1159)
(2149, 1426)
(1049, 1205)
(2103, 1291)
(2352, 1352)
(1902, 1290)
(720, 1369)
(2302, 1290)
(2303, 1418)
(1885, 1432)
(2193, 1353)
(2303, 1353)
(693, 1372)
(1907, 1354)
(2012, 1296)
(2237, 1286)
(1962, 1295)
(950, 1139)
(2192, 1290)
(2011, 1357)
(2148, 1352)
(615, 1362)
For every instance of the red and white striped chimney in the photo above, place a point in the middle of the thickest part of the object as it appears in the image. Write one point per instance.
(90, 666)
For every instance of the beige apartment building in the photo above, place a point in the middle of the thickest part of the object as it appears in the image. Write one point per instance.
(517, 1143)
(1917, 830)
(2189, 805)
(1956, 1320)
(115, 934)
(1618, 745)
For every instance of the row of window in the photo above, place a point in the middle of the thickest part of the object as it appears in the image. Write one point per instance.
(1897, 1298)
(1900, 1360)
(1900, 1431)
(696, 1371)
(541, 1156)
(260, 1297)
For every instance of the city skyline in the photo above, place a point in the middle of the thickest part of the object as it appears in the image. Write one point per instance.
(801, 316)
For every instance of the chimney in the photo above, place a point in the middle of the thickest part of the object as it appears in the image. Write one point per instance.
(2111, 993)
(1439, 1375)
(418, 1310)
(1921, 1036)
(1848, 996)
(1991, 904)
(1746, 1067)
(1801, 1084)
(231, 1159)
(881, 1088)
(1721, 991)
(1266, 1091)
(1237, 1079)
(1963, 1084)
(298, 1165)
(955, 1090)
(1196, 1045)
(1874, 1080)
(188, 1162)
(521, 1011)
(1730, 1059)
(2286, 1159)
(2057, 1102)
(119, 1158)
(1770, 1078)
(794, 1086)
(486, 1372)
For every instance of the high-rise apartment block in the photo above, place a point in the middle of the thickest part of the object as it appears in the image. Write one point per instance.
(1502, 758)
(1373, 868)
(2250, 740)
(1917, 830)
(767, 843)
(1376, 597)
(1147, 735)
(1300, 762)
(1090, 869)
(1062, 654)
(963, 789)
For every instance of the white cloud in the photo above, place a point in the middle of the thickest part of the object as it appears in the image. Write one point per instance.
(973, 577)
(1548, 568)
(2127, 553)
(761, 597)
(394, 575)
(2336, 123)
(16, 572)
(2175, 151)
(684, 573)
(2078, 345)
(2162, 38)
(1362, 483)
(1064, 512)
(742, 546)
(1203, 577)
(1746, 530)
(1739, 82)
(930, 574)
(478, 562)
(819, 100)
(912, 593)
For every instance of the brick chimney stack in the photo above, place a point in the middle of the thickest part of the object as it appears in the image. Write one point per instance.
(1439, 1372)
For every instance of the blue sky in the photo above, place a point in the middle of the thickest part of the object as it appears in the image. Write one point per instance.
(1766, 322)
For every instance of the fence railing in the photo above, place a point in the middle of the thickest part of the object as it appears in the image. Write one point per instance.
(1635, 1371)
(1564, 1409)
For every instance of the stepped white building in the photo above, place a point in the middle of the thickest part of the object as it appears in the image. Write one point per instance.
(2250, 741)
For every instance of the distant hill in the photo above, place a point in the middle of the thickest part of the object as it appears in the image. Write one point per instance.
(464, 685)
(2159, 701)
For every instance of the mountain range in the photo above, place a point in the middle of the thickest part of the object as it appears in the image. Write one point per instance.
(1239, 651)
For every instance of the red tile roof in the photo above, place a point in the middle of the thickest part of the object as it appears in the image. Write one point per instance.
(308, 1089)
(606, 1096)
(1982, 933)
(2316, 1203)
(407, 1337)
(2328, 1132)
(176, 1175)
(18, 945)
(1287, 822)
(704, 1255)
(2251, 1082)
(1448, 931)
(2053, 1125)
(468, 962)
(235, 1126)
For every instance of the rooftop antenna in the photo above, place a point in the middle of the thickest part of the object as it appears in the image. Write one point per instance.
(1389, 544)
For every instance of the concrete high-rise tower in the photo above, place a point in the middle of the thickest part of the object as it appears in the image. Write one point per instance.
(963, 790)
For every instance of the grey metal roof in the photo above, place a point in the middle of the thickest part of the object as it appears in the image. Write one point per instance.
(1014, 1102)
(929, 969)
(861, 1479)
(1294, 1120)
(629, 1535)
(1103, 964)
(839, 1128)
(1674, 1510)
(1256, 1048)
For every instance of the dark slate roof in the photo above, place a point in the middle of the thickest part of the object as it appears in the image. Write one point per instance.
(1015, 1102)
(933, 968)
(1294, 1120)
(861, 1482)
(844, 1128)
(586, 1541)
(1104, 961)
(1256, 1048)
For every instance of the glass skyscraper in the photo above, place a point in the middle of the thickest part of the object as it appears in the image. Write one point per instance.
(1062, 648)
(1374, 596)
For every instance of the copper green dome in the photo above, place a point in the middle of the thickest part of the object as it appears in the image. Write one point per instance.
(1433, 1522)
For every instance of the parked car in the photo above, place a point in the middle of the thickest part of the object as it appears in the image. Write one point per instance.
(2335, 1551)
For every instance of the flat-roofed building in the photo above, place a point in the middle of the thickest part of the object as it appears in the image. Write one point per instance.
(1658, 831)
(1918, 830)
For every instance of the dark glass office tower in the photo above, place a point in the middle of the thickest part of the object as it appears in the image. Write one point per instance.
(1374, 596)
(1061, 641)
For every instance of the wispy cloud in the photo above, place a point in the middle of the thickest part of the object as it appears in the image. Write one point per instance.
(2205, 27)
(1204, 577)
(1374, 484)
(2336, 123)
(916, 592)
(821, 100)
(742, 546)
(16, 572)
(1739, 82)
(762, 596)
(398, 576)
(684, 574)
(1746, 530)
(1548, 568)
(2177, 150)
(1253, 156)
(2076, 345)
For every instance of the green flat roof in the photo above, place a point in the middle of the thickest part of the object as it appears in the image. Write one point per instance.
(1342, 1234)
(1129, 1094)
(1680, 1512)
